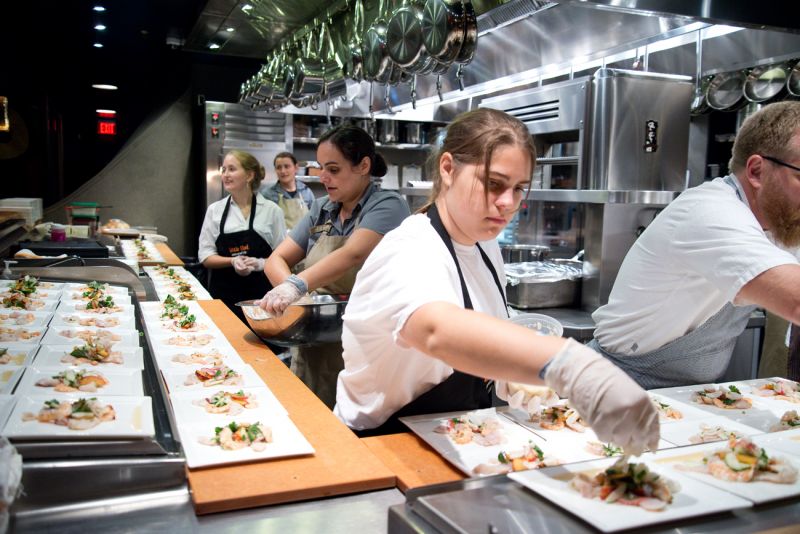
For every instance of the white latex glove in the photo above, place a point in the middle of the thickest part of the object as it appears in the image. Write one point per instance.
(240, 265)
(279, 298)
(617, 408)
(524, 396)
(255, 264)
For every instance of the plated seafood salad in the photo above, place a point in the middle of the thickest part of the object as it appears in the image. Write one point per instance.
(74, 380)
(100, 304)
(214, 376)
(93, 352)
(235, 436)
(18, 334)
(559, 417)
(789, 420)
(729, 398)
(20, 301)
(531, 456)
(710, 433)
(665, 411)
(81, 414)
(779, 389)
(213, 358)
(626, 483)
(17, 318)
(227, 402)
(487, 431)
(172, 309)
(7, 357)
(741, 460)
(25, 285)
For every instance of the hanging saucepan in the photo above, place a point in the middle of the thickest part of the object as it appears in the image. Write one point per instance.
(699, 104)
(309, 69)
(443, 29)
(766, 82)
(377, 63)
(289, 72)
(726, 91)
(264, 89)
(793, 81)
(404, 37)
(335, 84)
(470, 42)
(279, 96)
(354, 61)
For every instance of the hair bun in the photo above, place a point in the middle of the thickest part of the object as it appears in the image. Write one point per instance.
(379, 167)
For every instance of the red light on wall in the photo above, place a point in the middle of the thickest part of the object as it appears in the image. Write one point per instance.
(106, 114)
(106, 127)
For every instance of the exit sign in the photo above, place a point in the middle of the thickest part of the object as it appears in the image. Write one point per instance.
(106, 127)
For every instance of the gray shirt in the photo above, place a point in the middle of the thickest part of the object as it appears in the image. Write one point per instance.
(377, 210)
(275, 191)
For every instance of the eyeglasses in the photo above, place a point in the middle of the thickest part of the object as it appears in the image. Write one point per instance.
(781, 163)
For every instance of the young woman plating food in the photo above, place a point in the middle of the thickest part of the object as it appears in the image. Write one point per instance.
(425, 322)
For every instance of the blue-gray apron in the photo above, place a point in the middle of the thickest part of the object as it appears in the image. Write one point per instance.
(460, 391)
(701, 356)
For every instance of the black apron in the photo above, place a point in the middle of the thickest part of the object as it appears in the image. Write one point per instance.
(225, 284)
(460, 391)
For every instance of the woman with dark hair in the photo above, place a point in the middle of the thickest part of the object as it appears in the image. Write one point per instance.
(239, 232)
(333, 240)
(291, 195)
(425, 324)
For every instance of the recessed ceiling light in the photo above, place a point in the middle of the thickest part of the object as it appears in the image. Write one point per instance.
(100, 27)
(105, 86)
(106, 111)
(230, 29)
(99, 9)
(98, 45)
(213, 46)
(247, 7)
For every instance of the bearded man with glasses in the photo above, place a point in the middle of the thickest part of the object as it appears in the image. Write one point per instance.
(688, 285)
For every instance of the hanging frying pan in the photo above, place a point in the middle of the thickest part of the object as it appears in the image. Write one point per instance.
(793, 81)
(354, 56)
(404, 37)
(443, 29)
(766, 82)
(699, 104)
(470, 42)
(377, 63)
(725, 91)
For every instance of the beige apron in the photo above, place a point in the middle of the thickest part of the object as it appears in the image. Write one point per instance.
(319, 366)
(293, 209)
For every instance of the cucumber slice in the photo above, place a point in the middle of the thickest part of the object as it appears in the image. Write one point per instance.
(734, 463)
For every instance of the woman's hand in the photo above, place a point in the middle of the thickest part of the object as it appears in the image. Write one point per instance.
(241, 266)
(255, 264)
(617, 408)
(281, 297)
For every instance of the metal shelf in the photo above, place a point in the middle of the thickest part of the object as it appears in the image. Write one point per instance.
(392, 146)
(599, 196)
(565, 160)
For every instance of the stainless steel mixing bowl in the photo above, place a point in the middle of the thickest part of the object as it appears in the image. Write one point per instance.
(313, 320)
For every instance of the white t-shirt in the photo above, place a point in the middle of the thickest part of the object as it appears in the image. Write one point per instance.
(410, 267)
(268, 223)
(693, 259)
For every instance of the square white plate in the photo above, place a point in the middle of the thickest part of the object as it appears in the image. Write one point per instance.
(693, 499)
(134, 419)
(20, 354)
(77, 297)
(678, 433)
(109, 289)
(33, 318)
(121, 381)
(161, 327)
(757, 492)
(6, 406)
(50, 356)
(9, 376)
(48, 295)
(286, 441)
(73, 319)
(55, 336)
(785, 441)
(165, 357)
(57, 286)
(175, 378)
(15, 333)
(35, 305)
(169, 341)
(186, 411)
(72, 306)
(687, 411)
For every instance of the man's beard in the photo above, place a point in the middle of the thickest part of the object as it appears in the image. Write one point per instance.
(782, 217)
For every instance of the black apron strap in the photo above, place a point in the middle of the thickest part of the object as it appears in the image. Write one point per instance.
(436, 222)
(224, 216)
(252, 212)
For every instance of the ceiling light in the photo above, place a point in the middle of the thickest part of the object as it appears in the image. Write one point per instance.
(99, 9)
(105, 86)
(100, 27)
(106, 111)
(247, 7)
(213, 46)
(98, 45)
(230, 29)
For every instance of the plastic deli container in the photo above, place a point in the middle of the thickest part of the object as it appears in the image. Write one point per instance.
(543, 324)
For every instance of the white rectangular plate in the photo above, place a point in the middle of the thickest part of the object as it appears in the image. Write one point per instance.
(687, 411)
(54, 336)
(76, 297)
(109, 290)
(47, 295)
(693, 499)
(36, 305)
(6, 406)
(15, 334)
(72, 319)
(164, 357)
(72, 306)
(36, 318)
(9, 376)
(134, 420)
(20, 354)
(187, 412)
(121, 381)
(757, 492)
(678, 433)
(161, 327)
(57, 286)
(175, 378)
(50, 356)
(287, 441)
(167, 342)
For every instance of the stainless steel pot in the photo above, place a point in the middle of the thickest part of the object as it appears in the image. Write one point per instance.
(524, 253)
(404, 37)
(726, 91)
(793, 81)
(532, 292)
(766, 82)
(388, 134)
(313, 320)
(377, 64)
